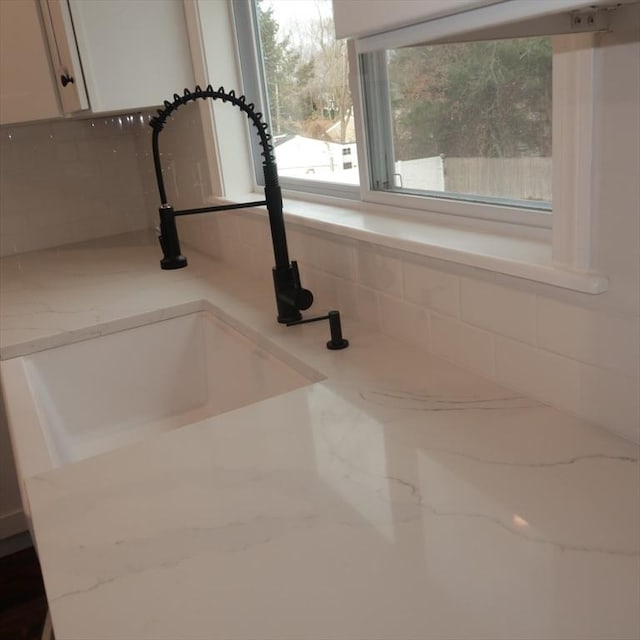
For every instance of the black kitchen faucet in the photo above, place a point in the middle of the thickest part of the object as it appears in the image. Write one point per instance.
(291, 297)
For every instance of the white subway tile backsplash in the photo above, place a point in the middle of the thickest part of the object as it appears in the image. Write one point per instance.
(367, 309)
(404, 320)
(84, 150)
(498, 309)
(202, 234)
(611, 400)
(347, 301)
(463, 344)
(252, 231)
(327, 289)
(261, 262)
(543, 375)
(13, 223)
(68, 181)
(227, 226)
(297, 241)
(430, 288)
(67, 152)
(604, 339)
(61, 132)
(9, 243)
(379, 271)
(239, 255)
(336, 258)
(222, 227)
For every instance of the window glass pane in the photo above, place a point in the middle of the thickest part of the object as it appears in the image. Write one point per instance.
(306, 78)
(472, 119)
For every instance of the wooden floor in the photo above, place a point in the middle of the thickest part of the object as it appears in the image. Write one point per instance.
(23, 606)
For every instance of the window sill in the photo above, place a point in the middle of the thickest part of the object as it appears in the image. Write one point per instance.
(487, 248)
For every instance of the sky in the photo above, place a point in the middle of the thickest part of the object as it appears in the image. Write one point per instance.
(291, 13)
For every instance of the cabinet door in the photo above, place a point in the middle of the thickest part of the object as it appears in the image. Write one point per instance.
(64, 54)
(12, 520)
(27, 90)
(134, 54)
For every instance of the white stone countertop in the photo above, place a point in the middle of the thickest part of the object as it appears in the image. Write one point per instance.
(400, 498)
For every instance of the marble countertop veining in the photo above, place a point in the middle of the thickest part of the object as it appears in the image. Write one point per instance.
(399, 498)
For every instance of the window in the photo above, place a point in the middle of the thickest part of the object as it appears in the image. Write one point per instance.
(304, 86)
(467, 120)
(448, 126)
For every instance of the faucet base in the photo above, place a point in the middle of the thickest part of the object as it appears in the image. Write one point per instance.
(335, 346)
(173, 262)
(288, 319)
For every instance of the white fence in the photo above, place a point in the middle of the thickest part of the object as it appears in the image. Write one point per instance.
(519, 178)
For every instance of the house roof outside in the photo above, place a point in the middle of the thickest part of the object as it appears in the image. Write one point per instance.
(333, 131)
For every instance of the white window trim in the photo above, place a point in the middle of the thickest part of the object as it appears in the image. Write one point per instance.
(560, 258)
(484, 245)
(573, 186)
(574, 73)
(490, 21)
(573, 152)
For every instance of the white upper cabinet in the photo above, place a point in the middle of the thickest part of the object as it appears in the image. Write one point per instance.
(95, 56)
(358, 19)
(27, 90)
(64, 56)
(134, 53)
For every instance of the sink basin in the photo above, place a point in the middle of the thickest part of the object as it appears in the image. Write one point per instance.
(76, 401)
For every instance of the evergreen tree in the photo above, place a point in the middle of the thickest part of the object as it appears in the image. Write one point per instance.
(478, 99)
(280, 65)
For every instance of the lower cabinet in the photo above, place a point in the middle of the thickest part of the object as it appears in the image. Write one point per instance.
(12, 520)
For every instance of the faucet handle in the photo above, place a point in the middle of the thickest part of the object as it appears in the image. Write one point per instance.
(302, 298)
(337, 341)
(291, 297)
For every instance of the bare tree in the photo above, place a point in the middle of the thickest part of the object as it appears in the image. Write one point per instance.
(307, 74)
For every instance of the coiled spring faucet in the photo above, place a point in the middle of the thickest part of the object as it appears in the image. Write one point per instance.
(291, 296)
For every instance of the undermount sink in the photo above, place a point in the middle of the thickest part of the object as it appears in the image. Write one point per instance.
(78, 400)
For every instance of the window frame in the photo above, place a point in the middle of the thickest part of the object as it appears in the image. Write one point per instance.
(372, 80)
(459, 205)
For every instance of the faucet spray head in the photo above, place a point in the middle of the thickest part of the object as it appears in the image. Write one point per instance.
(169, 242)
